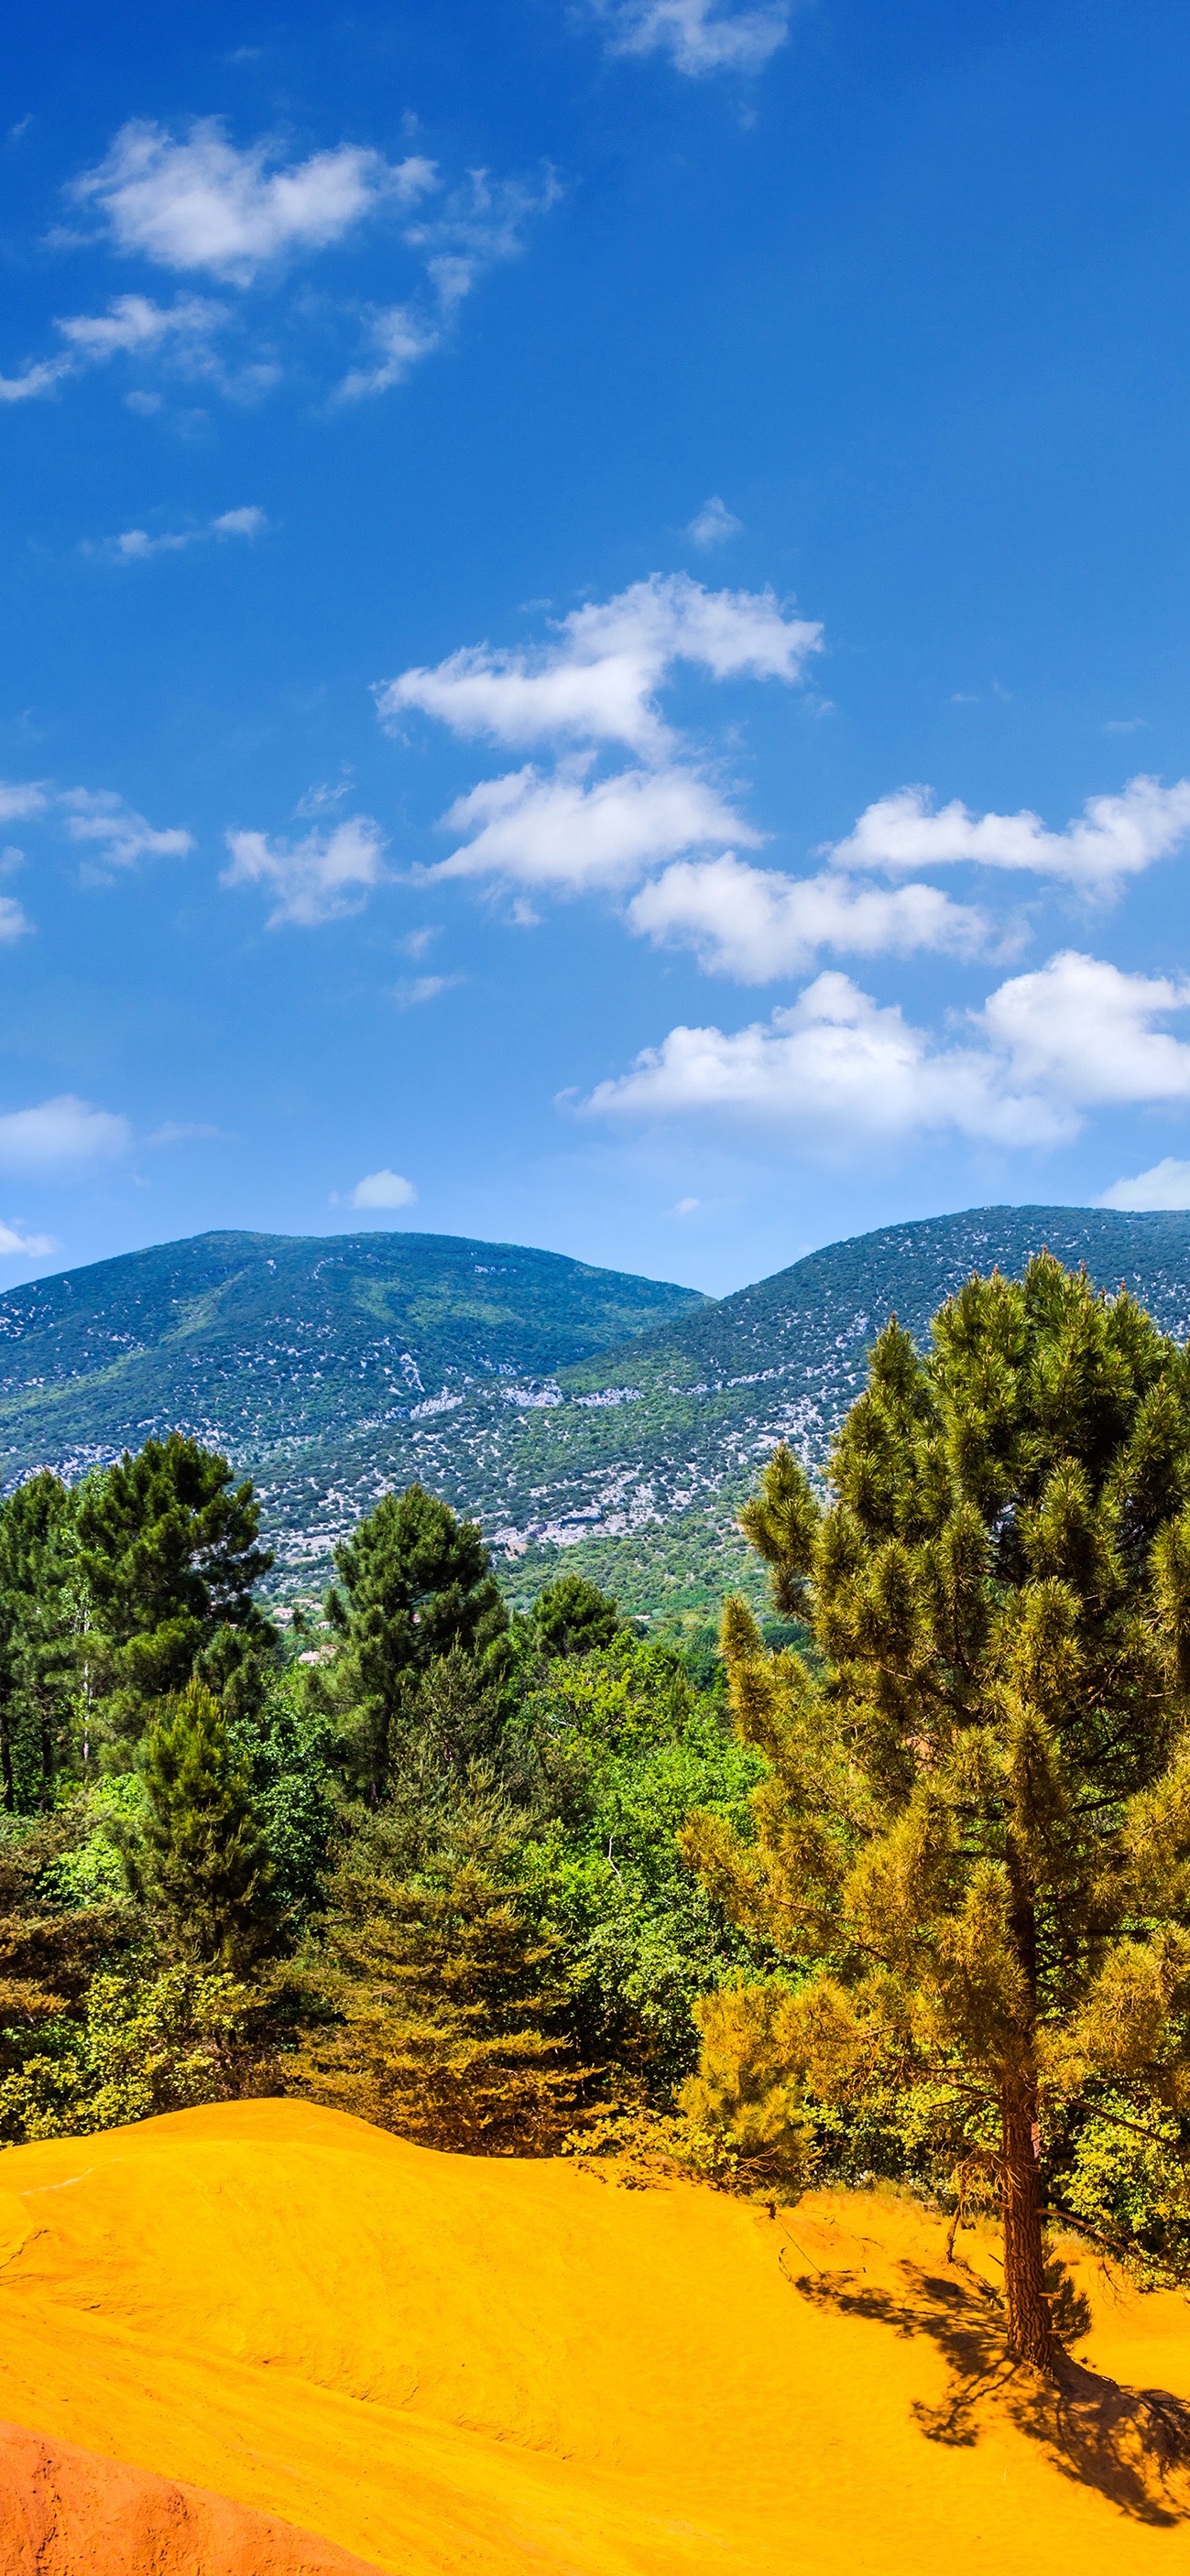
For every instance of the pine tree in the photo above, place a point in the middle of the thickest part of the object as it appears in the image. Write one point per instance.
(416, 1583)
(573, 1617)
(38, 1646)
(451, 2009)
(974, 1839)
(203, 1861)
(168, 1545)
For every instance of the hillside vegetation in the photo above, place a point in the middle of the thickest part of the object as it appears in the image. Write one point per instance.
(560, 1405)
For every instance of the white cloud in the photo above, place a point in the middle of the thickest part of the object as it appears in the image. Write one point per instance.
(714, 523)
(326, 877)
(61, 1136)
(1115, 837)
(13, 921)
(185, 1131)
(121, 836)
(401, 337)
(135, 545)
(382, 1190)
(1085, 1030)
(597, 683)
(31, 1247)
(1165, 1185)
(837, 1067)
(415, 989)
(560, 832)
(698, 35)
(19, 799)
(131, 326)
(757, 924)
(203, 204)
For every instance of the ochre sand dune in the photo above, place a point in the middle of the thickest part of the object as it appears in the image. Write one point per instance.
(439, 2363)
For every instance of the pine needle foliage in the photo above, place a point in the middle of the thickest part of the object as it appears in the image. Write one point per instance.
(972, 1847)
(201, 1859)
(413, 1582)
(446, 2007)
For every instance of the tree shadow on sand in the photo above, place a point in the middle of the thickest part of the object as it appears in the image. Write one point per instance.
(1133, 2445)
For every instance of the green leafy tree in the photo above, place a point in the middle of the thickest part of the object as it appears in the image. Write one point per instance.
(200, 1858)
(168, 1546)
(973, 1845)
(414, 1583)
(38, 1642)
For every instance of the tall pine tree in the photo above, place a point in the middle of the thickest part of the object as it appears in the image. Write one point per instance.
(414, 1583)
(203, 1862)
(974, 1839)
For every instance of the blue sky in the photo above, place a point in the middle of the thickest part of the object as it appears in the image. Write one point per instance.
(595, 622)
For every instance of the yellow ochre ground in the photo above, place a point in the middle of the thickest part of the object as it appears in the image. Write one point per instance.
(443, 2363)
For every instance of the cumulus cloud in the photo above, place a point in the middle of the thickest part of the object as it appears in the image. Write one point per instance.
(13, 921)
(838, 1067)
(383, 1189)
(135, 545)
(60, 1137)
(326, 877)
(757, 924)
(132, 326)
(562, 833)
(699, 36)
(119, 834)
(1115, 836)
(714, 523)
(1165, 1185)
(201, 203)
(598, 681)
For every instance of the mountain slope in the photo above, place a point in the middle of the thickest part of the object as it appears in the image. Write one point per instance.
(565, 1406)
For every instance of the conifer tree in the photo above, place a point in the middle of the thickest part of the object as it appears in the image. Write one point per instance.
(38, 1657)
(203, 1861)
(974, 1839)
(415, 1583)
(168, 1545)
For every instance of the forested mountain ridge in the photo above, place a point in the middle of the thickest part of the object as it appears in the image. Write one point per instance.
(563, 1405)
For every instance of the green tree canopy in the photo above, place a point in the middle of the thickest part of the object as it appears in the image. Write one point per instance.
(974, 1839)
(202, 1859)
(413, 1583)
(168, 1546)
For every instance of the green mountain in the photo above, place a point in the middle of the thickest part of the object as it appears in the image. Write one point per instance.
(617, 1418)
(326, 1368)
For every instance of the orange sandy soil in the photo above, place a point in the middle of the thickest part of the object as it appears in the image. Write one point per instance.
(438, 2363)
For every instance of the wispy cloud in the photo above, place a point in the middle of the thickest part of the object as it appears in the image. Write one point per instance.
(121, 836)
(135, 545)
(16, 1241)
(325, 877)
(415, 989)
(699, 36)
(838, 1069)
(1115, 836)
(475, 228)
(132, 326)
(714, 523)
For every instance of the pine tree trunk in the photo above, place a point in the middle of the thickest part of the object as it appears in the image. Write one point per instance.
(1030, 2327)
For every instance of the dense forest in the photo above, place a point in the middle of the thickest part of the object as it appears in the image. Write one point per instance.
(894, 1881)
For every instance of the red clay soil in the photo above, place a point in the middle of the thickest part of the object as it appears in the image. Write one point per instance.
(63, 2510)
